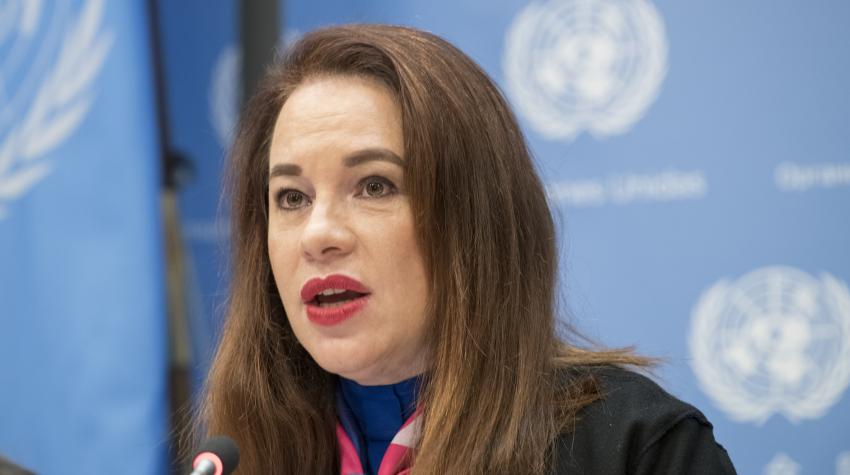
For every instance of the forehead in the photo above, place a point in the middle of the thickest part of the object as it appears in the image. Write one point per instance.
(336, 114)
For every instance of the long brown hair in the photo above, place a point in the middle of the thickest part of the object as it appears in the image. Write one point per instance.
(496, 394)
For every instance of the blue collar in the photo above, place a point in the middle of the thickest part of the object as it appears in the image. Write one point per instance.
(372, 415)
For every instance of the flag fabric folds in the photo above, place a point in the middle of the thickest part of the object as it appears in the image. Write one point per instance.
(83, 331)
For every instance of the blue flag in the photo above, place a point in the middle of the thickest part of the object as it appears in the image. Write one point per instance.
(83, 331)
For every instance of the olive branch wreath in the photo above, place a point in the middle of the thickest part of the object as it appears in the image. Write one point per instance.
(60, 105)
(732, 398)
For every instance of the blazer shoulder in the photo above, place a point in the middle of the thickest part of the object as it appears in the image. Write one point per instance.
(632, 415)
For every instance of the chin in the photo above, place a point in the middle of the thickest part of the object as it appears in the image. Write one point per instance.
(342, 363)
(357, 374)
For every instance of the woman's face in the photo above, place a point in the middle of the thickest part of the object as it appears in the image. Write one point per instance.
(341, 236)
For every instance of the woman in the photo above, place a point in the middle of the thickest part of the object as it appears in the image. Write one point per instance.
(392, 304)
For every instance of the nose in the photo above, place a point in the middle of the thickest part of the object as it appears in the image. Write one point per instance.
(326, 235)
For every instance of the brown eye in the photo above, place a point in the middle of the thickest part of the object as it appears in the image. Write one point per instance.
(377, 187)
(291, 199)
(374, 188)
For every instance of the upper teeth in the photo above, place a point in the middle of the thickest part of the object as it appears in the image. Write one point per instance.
(328, 292)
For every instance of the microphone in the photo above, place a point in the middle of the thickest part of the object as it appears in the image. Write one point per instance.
(217, 456)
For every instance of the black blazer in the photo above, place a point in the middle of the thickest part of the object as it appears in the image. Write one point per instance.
(638, 428)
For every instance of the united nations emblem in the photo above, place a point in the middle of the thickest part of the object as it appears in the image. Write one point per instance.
(49, 54)
(576, 65)
(226, 84)
(777, 340)
(842, 464)
(224, 93)
(782, 464)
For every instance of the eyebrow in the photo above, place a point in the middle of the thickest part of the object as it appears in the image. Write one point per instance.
(371, 155)
(357, 158)
(285, 169)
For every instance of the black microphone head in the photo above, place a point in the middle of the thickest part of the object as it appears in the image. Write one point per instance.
(222, 448)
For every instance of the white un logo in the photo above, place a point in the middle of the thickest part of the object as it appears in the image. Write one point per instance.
(777, 340)
(224, 93)
(50, 53)
(585, 65)
(225, 88)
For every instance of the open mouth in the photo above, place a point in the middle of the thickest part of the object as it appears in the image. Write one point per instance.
(331, 298)
(334, 299)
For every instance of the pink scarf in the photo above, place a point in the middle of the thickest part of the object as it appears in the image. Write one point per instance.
(398, 457)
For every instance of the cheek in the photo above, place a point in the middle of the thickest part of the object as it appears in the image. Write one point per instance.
(403, 267)
(283, 256)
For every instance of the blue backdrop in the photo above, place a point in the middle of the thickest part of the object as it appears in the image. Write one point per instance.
(696, 157)
(201, 59)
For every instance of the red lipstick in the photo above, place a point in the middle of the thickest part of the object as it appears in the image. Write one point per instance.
(334, 299)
